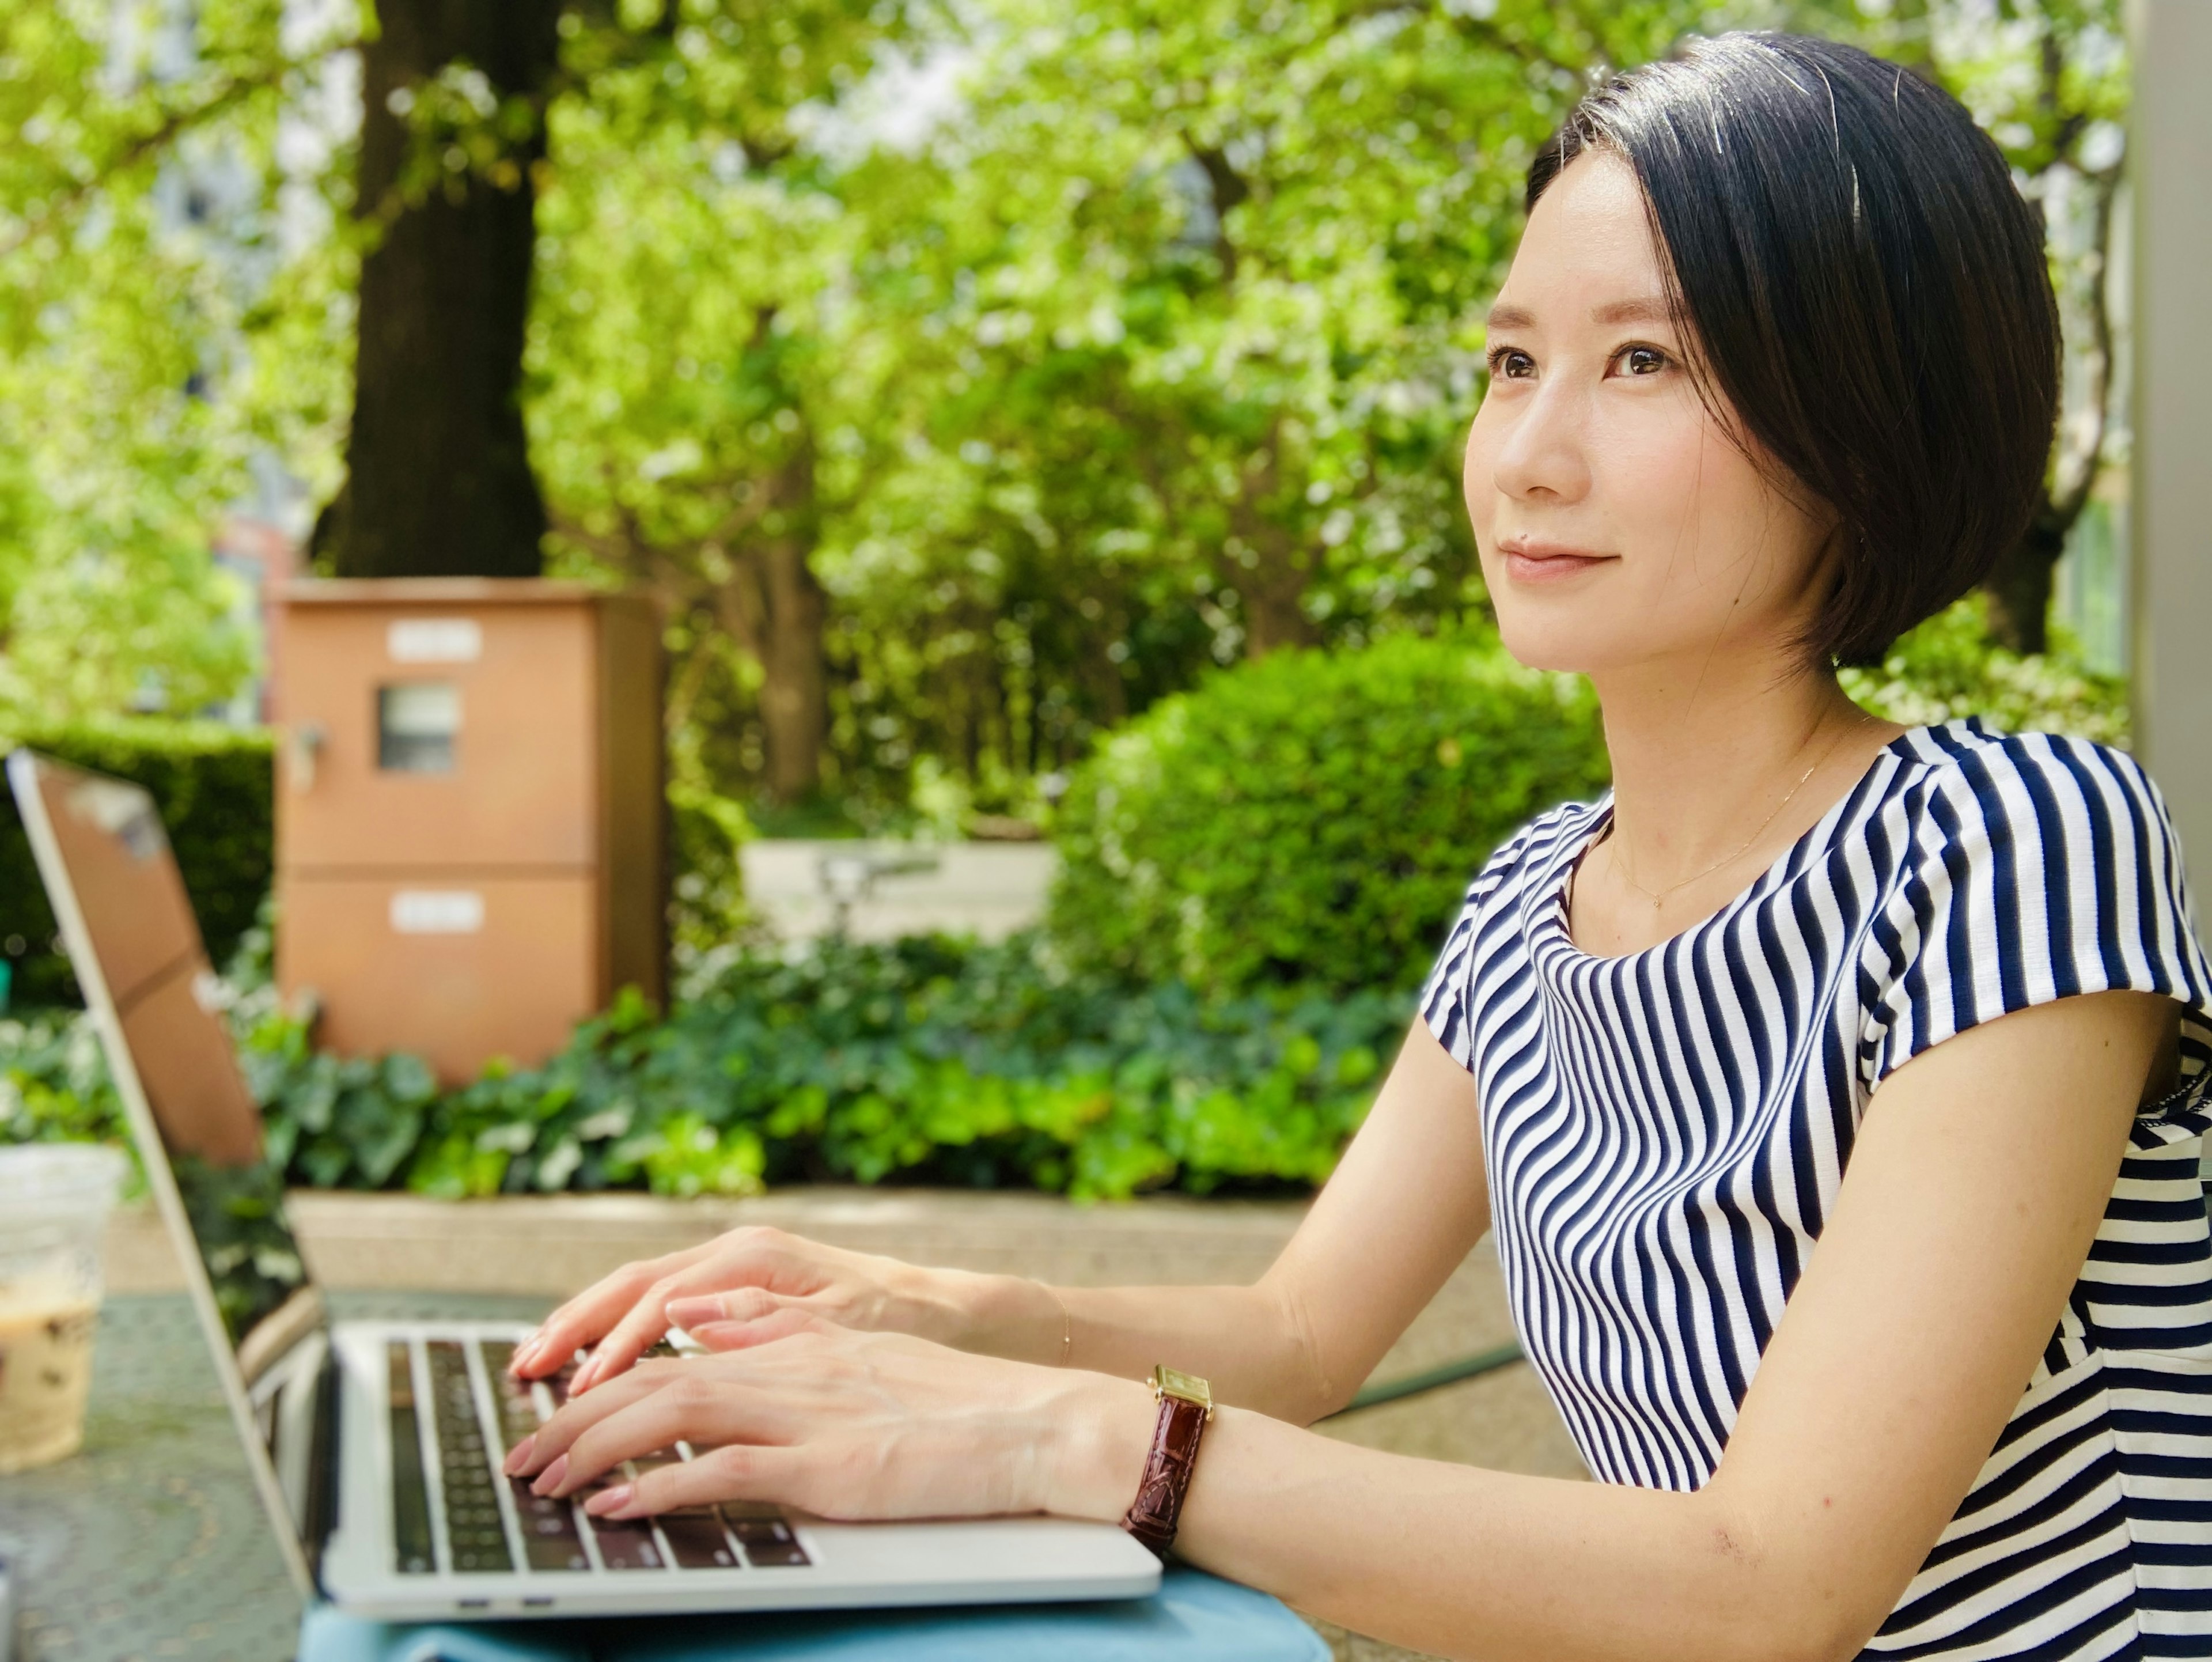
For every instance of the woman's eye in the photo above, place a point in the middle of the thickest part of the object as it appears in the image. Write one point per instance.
(1510, 363)
(1642, 360)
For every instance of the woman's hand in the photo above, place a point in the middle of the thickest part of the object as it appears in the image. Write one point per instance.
(852, 1425)
(755, 1284)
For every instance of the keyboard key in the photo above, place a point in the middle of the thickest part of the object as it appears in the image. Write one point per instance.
(626, 1544)
(474, 1530)
(763, 1511)
(413, 1553)
(696, 1539)
(549, 1541)
(768, 1542)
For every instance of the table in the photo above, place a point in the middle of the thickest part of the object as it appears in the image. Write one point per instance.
(151, 1544)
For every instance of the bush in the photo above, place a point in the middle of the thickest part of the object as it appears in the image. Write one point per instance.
(1313, 818)
(1947, 668)
(213, 786)
(928, 1060)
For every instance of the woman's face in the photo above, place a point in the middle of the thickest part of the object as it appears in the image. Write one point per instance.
(1617, 523)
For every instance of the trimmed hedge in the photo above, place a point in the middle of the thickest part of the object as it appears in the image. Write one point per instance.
(926, 1060)
(1313, 818)
(214, 786)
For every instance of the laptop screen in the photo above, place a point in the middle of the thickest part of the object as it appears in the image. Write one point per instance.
(117, 874)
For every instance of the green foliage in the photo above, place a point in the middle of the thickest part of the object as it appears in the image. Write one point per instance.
(1947, 668)
(1313, 817)
(212, 786)
(125, 383)
(926, 1061)
(53, 1082)
(252, 1263)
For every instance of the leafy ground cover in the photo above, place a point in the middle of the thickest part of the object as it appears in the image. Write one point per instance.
(928, 1060)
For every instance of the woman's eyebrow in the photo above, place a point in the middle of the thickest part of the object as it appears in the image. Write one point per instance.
(1648, 309)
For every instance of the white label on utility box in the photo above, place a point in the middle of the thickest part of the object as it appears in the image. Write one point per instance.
(434, 641)
(437, 911)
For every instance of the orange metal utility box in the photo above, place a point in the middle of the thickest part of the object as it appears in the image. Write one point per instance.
(470, 849)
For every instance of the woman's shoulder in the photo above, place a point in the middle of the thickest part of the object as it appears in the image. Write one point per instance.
(1534, 852)
(2033, 866)
(1965, 778)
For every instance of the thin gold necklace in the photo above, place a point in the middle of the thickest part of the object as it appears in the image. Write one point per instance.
(1659, 896)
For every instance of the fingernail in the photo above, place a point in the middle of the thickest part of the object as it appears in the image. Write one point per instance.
(525, 1354)
(517, 1460)
(612, 1502)
(549, 1479)
(689, 1312)
(582, 1381)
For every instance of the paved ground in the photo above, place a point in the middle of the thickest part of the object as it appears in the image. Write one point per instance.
(990, 889)
(551, 1245)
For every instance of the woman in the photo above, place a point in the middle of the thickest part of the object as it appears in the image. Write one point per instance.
(1773, 379)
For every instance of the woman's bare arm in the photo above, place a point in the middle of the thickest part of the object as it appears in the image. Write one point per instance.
(1403, 1207)
(1975, 1187)
(1405, 1204)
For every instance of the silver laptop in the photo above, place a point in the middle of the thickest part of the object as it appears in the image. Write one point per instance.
(376, 1446)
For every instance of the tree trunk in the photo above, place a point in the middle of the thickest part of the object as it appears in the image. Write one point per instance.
(776, 610)
(1275, 618)
(1273, 584)
(794, 687)
(1273, 590)
(438, 480)
(2020, 588)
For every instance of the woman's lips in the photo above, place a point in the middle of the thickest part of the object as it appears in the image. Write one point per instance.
(1537, 563)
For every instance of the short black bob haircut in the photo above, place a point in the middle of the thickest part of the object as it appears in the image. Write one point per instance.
(1865, 288)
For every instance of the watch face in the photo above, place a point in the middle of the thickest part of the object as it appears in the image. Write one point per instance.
(1188, 1386)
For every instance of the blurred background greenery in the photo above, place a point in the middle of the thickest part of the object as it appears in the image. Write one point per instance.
(1029, 418)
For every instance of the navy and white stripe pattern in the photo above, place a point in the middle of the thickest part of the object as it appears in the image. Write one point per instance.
(1665, 1133)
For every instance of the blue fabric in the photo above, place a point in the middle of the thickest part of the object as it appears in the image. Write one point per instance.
(1194, 1617)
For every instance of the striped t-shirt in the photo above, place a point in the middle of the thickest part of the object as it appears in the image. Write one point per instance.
(1665, 1131)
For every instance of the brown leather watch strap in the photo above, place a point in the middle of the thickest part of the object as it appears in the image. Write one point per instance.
(1158, 1506)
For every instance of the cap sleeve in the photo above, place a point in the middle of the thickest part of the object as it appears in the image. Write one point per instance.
(1446, 996)
(2041, 867)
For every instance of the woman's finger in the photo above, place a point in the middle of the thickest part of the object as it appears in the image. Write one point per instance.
(736, 1304)
(740, 1262)
(551, 1439)
(593, 1311)
(646, 1320)
(693, 1410)
(736, 1471)
(744, 1335)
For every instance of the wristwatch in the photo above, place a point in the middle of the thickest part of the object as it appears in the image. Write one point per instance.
(1186, 1404)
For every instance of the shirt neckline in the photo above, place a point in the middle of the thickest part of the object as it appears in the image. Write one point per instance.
(1552, 913)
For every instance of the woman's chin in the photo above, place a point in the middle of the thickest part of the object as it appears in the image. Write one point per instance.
(1545, 645)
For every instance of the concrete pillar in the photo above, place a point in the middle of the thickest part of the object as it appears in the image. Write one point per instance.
(2171, 153)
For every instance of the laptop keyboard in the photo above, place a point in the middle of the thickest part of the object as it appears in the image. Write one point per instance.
(465, 1487)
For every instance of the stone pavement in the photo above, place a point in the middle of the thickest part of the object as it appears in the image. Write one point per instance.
(987, 889)
(551, 1245)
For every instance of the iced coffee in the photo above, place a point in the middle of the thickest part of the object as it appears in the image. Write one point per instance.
(54, 1199)
(46, 1369)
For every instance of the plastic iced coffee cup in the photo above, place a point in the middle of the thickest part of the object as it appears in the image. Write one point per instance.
(54, 1203)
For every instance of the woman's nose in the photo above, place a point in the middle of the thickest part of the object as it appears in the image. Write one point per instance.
(1540, 451)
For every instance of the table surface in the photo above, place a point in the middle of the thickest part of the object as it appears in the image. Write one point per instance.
(151, 1542)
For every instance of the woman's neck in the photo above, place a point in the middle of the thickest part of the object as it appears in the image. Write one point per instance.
(1716, 768)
